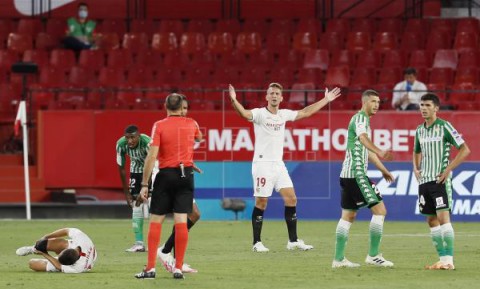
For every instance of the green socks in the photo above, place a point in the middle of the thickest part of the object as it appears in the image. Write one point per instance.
(448, 238)
(376, 231)
(341, 238)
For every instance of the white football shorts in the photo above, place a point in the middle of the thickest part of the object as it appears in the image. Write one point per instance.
(268, 176)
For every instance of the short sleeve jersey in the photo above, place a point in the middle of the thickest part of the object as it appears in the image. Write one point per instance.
(356, 156)
(137, 154)
(434, 143)
(87, 256)
(175, 136)
(75, 28)
(270, 133)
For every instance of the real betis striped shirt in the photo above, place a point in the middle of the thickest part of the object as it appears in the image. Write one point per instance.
(137, 155)
(356, 155)
(434, 143)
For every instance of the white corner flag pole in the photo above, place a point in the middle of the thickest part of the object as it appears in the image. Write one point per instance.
(21, 119)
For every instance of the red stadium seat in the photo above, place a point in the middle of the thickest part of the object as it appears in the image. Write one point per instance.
(46, 41)
(174, 26)
(420, 58)
(390, 76)
(108, 41)
(6, 26)
(40, 57)
(341, 25)
(419, 25)
(139, 76)
(317, 58)
(358, 41)
(176, 60)
(56, 27)
(92, 59)
(81, 77)
(445, 58)
(286, 26)
(262, 58)
(220, 42)
(3, 75)
(283, 75)
(52, 77)
(467, 105)
(204, 26)
(169, 76)
(310, 75)
(205, 59)
(367, 25)
(136, 42)
(338, 76)
(385, 41)
(444, 26)
(290, 58)
(363, 76)
(438, 40)
(466, 41)
(278, 42)
(117, 26)
(394, 58)
(441, 76)
(19, 42)
(304, 41)
(151, 58)
(128, 97)
(256, 25)
(121, 58)
(231, 26)
(370, 59)
(62, 59)
(309, 25)
(192, 42)
(463, 92)
(225, 74)
(111, 77)
(302, 93)
(471, 25)
(392, 25)
(467, 75)
(249, 42)
(343, 57)
(198, 75)
(30, 26)
(143, 26)
(412, 40)
(332, 41)
(254, 75)
(468, 59)
(165, 42)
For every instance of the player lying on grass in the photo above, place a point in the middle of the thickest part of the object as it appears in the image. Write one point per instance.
(76, 254)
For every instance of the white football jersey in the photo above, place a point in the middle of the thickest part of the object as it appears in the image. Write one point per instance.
(88, 255)
(270, 133)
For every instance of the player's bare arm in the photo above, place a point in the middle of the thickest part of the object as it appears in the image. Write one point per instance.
(373, 158)
(417, 158)
(386, 155)
(463, 152)
(123, 177)
(57, 234)
(51, 259)
(147, 172)
(313, 108)
(245, 113)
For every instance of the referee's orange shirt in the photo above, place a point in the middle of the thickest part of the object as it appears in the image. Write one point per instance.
(175, 137)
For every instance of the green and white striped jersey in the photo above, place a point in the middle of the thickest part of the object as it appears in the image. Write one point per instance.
(434, 143)
(137, 155)
(356, 155)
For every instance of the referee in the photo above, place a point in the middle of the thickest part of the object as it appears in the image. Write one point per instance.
(172, 142)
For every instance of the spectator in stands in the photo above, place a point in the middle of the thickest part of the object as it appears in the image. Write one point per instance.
(407, 94)
(80, 30)
(75, 252)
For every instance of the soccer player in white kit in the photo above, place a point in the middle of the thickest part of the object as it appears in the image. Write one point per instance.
(268, 170)
(76, 253)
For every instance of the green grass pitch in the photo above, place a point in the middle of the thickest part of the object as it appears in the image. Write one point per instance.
(221, 251)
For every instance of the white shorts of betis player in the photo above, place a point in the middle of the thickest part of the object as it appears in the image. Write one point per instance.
(268, 176)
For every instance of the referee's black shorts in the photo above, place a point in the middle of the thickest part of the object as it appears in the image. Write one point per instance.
(172, 193)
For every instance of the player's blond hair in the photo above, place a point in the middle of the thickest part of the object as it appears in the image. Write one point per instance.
(275, 85)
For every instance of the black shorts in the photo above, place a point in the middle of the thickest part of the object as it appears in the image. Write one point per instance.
(172, 193)
(358, 193)
(433, 197)
(135, 184)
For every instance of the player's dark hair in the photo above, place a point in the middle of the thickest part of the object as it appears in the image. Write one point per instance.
(368, 93)
(82, 4)
(131, 129)
(409, 71)
(68, 257)
(174, 101)
(431, 96)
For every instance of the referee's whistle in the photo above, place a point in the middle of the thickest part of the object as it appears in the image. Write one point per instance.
(182, 169)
